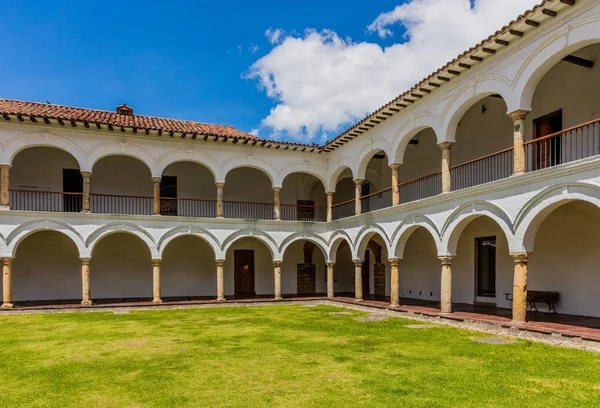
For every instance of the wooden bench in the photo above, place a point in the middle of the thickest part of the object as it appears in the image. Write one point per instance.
(534, 296)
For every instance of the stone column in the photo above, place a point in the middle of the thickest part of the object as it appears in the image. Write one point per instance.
(4, 187)
(395, 184)
(86, 299)
(518, 118)
(277, 276)
(220, 280)
(358, 283)
(329, 206)
(519, 308)
(446, 285)
(156, 281)
(330, 281)
(85, 199)
(220, 199)
(395, 282)
(7, 283)
(357, 193)
(156, 181)
(446, 176)
(276, 203)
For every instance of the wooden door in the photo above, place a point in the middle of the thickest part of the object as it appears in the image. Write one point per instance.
(168, 195)
(244, 271)
(366, 274)
(72, 183)
(548, 151)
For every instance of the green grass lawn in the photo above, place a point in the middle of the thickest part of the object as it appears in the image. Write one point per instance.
(280, 356)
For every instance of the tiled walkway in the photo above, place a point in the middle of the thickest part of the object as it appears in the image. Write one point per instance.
(588, 328)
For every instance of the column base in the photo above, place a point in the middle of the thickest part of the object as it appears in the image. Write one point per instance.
(221, 299)
(7, 306)
(158, 215)
(86, 303)
(278, 298)
(85, 211)
(359, 300)
(394, 304)
(517, 173)
(157, 301)
(4, 207)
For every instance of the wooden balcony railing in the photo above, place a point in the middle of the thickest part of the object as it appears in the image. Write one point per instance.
(188, 207)
(31, 200)
(376, 201)
(296, 212)
(121, 204)
(568, 145)
(420, 188)
(485, 169)
(248, 210)
(343, 209)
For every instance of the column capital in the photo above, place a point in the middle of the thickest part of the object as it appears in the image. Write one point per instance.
(220, 185)
(220, 262)
(446, 145)
(156, 262)
(277, 264)
(519, 114)
(276, 189)
(7, 261)
(359, 182)
(330, 193)
(85, 261)
(357, 262)
(520, 258)
(394, 261)
(156, 179)
(446, 260)
(5, 166)
(395, 166)
(86, 174)
(330, 263)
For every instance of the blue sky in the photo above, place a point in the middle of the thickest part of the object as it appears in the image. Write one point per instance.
(204, 60)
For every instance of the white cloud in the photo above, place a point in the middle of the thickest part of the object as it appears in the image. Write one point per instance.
(253, 48)
(321, 82)
(254, 132)
(274, 35)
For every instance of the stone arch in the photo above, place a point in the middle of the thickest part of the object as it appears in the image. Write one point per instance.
(25, 141)
(251, 233)
(403, 232)
(122, 149)
(299, 169)
(188, 230)
(260, 165)
(123, 227)
(462, 216)
(365, 235)
(465, 99)
(409, 129)
(335, 175)
(314, 238)
(189, 156)
(533, 213)
(334, 243)
(21, 232)
(368, 151)
(563, 42)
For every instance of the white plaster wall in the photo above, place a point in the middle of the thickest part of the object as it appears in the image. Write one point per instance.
(300, 186)
(40, 168)
(565, 258)
(193, 180)
(46, 267)
(121, 175)
(248, 184)
(188, 268)
(343, 271)
(121, 267)
(264, 283)
(420, 268)
(421, 159)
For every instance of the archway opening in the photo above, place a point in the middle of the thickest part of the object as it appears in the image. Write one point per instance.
(45, 179)
(376, 190)
(248, 269)
(121, 268)
(188, 269)
(121, 185)
(375, 269)
(188, 189)
(303, 198)
(248, 193)
(47, 268)
(343, 271)
(420, 171)
(343, 198)
(420, 270)
(303, 271)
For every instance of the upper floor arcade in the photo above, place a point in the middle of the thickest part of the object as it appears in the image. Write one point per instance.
(524, 103)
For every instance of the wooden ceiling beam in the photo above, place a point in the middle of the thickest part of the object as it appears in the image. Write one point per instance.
(502, 42)
(465, 66)
(516, 33)
(488, 50)
(582, 62)
(568, 2)
(532, 23)
(550, 13)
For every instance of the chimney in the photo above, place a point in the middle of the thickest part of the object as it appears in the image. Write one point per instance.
(124, 110)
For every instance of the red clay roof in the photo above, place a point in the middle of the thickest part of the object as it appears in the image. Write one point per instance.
(93, 116)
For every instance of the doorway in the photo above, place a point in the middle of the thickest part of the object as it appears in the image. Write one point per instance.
(485, 267)
(548, 152)
(244, 272)
(366, 274)
(168, 195)
(72, 183)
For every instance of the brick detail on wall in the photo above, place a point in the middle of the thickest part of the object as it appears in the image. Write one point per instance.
(379, 276)
(306, 284)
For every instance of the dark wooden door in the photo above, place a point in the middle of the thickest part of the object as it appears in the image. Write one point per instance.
(244, 271)
(168, 195)
(72, 183)
(548, 151)
(366, 273)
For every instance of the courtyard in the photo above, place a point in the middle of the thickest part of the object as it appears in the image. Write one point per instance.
(281, 356)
